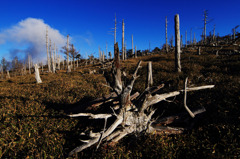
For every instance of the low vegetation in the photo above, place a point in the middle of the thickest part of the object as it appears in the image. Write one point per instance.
(34, 122)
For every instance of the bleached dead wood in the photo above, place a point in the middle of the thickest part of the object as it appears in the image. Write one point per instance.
(177, 45)
(117, 83)
(29, 63)
(68, 54)
(149, 77)
(185, 100)
(166, 45)
(69, 69)
(37, 75)
(199, 50)
(133, 113)
(8, 75)
(92, 116)
(48, 59)
(123, 50)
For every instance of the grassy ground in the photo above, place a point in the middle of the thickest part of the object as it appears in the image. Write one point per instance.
(33, 122)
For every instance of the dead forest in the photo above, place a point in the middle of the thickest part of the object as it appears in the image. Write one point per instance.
(179, 101)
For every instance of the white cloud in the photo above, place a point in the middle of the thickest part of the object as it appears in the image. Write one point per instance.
(31, 34)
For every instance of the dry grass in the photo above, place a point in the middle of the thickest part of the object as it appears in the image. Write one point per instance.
(33, 122)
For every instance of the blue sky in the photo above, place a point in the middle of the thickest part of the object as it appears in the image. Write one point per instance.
(90, 22)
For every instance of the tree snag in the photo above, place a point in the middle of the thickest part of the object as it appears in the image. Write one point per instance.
(166, 38)
(37, 76)
(177, 44)
(8, 75)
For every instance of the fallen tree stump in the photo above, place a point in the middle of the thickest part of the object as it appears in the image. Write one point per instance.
(133, 113)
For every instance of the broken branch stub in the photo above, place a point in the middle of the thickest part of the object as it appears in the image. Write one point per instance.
(131, 115)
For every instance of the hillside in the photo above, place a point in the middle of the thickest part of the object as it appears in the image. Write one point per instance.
(34, 122)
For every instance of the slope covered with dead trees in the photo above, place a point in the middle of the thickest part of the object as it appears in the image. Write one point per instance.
(133, 112)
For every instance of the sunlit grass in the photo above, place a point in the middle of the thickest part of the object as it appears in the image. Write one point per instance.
(33, 124)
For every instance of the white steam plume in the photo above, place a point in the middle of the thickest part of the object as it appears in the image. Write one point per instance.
(30, 34)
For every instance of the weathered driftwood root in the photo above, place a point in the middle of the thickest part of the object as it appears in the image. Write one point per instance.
(133, 113)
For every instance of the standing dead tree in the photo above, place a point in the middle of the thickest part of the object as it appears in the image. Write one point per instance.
(48, 59)
(177, 44)
(106, 51)
(205, 24)
(206, 21)
(53, 58)
(132, 113)
(29, 63)
(37, 76)
(135, 54)
(8, 75)
(67, 54)
(123, 49)
(166, 34)
(115, 30)
(2, 75)
(132, 46)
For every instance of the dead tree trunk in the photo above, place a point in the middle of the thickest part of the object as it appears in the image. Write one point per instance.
(110, 54)
(115, 30)
(177, 44)
(69, 69)
(50, 54)
(205, 24)
(123, 50)
(199, 50)
(149, 76)
(234, 34)
(37, 75)
(166, 35)
(68, 52)
(132, 46)
(117, 85)
(59, 67)
(53, 59)
(29, 63)
(8, 75)
(2, 72)
(73, 57)
(48, 60)
(135, 51)
(106, 51)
